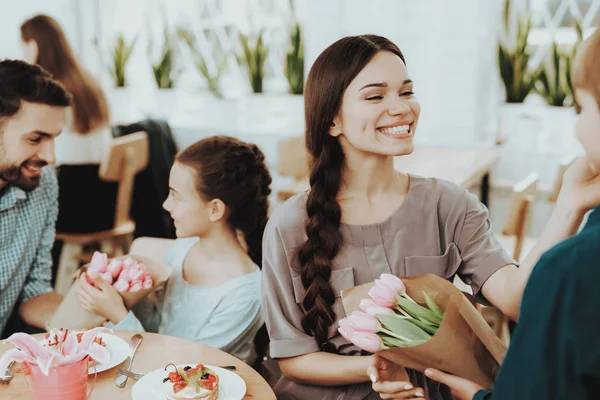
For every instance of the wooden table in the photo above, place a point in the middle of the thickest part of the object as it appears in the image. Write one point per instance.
(463, 166)
(154, 352)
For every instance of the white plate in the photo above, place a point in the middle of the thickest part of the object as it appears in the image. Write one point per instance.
(118, 349)
(151, 386)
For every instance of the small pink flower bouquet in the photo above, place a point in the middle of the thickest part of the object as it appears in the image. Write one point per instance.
(420, 322)
(134, 277)
(125, 275)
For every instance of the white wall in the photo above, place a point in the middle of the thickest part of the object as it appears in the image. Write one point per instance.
(14, 13)
(450, 51)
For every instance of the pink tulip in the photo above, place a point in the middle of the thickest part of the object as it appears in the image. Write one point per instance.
(99, 262)
(115, 267)
(90, 275)
(378, 310)
(147, 283)
(107, 277)
(136, 272)
(368, 341)
(128, 262)
(363, 322)
(136, 286)
(345, 329)
(383, 295)
(121, 285)
(365, 304)
(124, 275)
(393, 282)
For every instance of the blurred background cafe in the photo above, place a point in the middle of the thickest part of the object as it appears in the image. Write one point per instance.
(492, 78)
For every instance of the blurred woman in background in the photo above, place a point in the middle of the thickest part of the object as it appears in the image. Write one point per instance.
(86, 203)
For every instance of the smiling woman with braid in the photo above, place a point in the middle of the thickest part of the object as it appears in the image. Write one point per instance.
(362, 218)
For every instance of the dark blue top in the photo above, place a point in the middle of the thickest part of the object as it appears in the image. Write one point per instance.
(555, 351)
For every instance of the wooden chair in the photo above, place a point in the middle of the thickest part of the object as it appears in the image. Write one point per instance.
(513, 238)
(565, 163)
(126, 156)
(293, 162)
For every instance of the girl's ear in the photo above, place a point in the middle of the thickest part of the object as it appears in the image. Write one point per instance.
(216, 210)
(336, 127)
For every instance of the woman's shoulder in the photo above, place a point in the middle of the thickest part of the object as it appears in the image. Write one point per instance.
(290, 215)
(446, 195)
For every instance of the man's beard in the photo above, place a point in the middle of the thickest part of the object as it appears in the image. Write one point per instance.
(13, 175)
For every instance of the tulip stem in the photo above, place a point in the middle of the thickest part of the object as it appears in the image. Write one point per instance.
(408, 297)
(407, 315)
(387, 332)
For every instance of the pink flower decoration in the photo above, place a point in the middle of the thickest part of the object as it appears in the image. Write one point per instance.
(363, 322)
(99, 262)
(383, 295)
(65, 349)
(121, 285)
(115, 267)
(393, 282)
(368, 341)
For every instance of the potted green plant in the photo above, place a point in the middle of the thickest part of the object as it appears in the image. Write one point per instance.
(212, 73)
(517, 76)
(119, 94)
(294, 67)
(120, 57)
(253, 59)
(164, 71)
(554, 85)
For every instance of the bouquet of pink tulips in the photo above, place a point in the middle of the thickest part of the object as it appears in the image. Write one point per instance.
(391, 318)
(420, 322)
(133, 277)
(125, 275)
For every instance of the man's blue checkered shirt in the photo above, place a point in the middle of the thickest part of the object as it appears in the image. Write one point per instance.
(27, 222)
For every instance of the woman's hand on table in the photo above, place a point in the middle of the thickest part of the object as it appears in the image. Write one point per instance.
(103, 300)
(391, 380)
(462, 389)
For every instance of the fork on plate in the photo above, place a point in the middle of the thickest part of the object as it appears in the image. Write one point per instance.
(5, 380)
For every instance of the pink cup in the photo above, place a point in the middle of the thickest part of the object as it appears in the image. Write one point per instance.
(67, 382)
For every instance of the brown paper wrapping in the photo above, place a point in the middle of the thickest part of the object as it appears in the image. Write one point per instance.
(72, 316)
(464, 345)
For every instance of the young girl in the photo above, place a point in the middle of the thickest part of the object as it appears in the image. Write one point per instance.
(555, 352)
(218, 186)
(362, 218)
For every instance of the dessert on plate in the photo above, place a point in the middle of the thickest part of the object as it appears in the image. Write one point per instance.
(191, 382)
